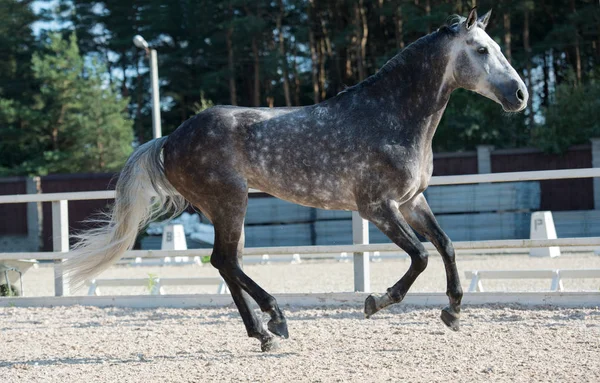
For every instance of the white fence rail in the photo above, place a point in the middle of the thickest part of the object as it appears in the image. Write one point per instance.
(156, 285)
(360, 248)
(195, 301)
(556, 276)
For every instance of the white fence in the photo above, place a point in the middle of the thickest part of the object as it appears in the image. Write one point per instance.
(556, 276)
(360, 237)
(194, 301)
(156, 285)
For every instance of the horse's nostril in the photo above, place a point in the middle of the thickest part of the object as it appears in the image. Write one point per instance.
(520, 95)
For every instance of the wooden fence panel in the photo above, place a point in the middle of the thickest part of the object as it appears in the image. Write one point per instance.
(79, 211)
(448, 164)
(556, 195)
(13, 217)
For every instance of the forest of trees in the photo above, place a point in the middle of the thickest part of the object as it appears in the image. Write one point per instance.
(298, 52)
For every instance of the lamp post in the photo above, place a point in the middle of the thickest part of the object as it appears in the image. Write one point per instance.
(139, 42)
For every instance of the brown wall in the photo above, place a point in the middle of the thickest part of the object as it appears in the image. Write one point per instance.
(557, 195)
(13, 216)
(448, 164)
(78, 210)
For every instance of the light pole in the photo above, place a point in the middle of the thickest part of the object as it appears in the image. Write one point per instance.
(139, 42)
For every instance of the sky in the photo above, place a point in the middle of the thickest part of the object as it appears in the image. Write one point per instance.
(39, 6)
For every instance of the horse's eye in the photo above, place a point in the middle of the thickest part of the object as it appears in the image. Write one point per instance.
(482, 50)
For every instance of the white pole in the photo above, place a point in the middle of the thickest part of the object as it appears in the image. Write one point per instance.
(360, 236)
(60, 243)
(156, 127)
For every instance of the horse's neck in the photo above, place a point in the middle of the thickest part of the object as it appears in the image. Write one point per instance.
(417, 89)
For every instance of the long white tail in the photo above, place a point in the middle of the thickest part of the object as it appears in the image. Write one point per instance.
(142, 193)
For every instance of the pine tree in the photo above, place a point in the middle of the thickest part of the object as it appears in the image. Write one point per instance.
(232, 51)
(75, 123)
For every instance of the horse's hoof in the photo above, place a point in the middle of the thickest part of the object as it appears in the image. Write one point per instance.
(450, 319)
(279, 328)
(370, 306)
(269, 344)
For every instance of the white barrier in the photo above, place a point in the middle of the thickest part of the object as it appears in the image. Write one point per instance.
(156, 285)
(361, 268)
(555, 275)
(166, 261)
(267, 259)
(356, 300)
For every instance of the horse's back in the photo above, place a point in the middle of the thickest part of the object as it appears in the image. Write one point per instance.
(212, 143)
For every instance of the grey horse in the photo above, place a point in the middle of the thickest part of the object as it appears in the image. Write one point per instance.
(368, 149)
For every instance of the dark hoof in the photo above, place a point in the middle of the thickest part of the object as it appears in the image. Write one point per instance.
(370, 306)
(450, 319)
(269, 344)
(279, 328)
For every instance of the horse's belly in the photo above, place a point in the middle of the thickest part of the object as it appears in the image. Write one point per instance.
(321, 192)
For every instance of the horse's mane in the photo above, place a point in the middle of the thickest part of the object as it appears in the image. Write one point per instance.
(449, 29)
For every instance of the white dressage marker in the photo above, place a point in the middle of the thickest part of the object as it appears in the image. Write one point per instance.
(173, 238)
(542, 227)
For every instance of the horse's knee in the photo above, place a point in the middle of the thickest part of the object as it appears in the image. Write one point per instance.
(419, 261)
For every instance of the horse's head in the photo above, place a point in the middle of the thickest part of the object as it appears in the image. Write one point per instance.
(477, 64)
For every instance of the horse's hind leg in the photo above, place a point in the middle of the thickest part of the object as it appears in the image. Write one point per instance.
(419, 216)
(227, 215)
(388, 219)
(254, 326)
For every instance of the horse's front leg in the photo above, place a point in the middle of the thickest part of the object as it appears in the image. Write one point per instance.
(419, 216)
(387, 218)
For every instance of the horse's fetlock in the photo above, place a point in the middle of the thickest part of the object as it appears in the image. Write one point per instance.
(269, 305)
(455, 294)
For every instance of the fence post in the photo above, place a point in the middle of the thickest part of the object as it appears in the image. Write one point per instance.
(484, 159)
(596, 164)
(60, 243)
(34, 214)
(360, 236)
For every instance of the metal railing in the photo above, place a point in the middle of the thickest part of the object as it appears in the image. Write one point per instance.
(360, 237)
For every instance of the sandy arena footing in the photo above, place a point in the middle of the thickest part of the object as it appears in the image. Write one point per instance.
(405, 343)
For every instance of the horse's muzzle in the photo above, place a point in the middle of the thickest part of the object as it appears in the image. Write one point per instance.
(514, 96)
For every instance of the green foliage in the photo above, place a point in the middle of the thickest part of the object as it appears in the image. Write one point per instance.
(16, 46)
(203, 104)
(472, 120)
(151, 284)
(191, 38)
(67, 110)
(9, 290)
(573, 118)
(74, 123)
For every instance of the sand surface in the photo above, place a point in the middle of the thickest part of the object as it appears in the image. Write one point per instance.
(404, 343)
(500, 344)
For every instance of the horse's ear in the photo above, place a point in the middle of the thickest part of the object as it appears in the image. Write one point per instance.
(485, 19)
(471, 19)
